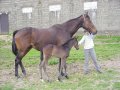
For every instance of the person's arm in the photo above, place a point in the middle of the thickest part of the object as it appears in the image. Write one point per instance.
(81, 41)
(93, 36)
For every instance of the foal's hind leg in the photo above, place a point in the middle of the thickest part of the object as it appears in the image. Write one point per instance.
(43, 65)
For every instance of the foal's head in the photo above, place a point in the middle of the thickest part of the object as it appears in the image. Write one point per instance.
(73, 42)
(76, 43)
(87, 24)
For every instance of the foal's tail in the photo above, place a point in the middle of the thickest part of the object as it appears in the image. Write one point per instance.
(14, 48)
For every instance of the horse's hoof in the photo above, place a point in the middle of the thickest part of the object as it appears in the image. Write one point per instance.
(59, 79)
(62, 73)
(49, 81)
(24, 73)
(67, 76)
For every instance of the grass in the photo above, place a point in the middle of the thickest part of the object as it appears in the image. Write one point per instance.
(105, 47)
(105, 39)
(77, 81)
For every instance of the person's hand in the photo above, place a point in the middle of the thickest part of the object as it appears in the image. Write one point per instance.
(79, 43)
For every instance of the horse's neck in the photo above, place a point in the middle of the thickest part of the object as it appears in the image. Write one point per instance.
(73, 25)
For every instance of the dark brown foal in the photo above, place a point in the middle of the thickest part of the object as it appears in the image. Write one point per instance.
(59, 52)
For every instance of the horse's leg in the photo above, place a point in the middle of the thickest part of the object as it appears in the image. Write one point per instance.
(60, 67)
(17, 62)
(16, 67)
(22, 54)
(22, 68)
(41, 58)
(40, 65)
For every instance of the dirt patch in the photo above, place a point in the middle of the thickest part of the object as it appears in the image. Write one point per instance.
(112, 63)
(33, 75)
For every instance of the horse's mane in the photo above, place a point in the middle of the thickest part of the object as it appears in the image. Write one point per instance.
(86, 15)
(73, 19)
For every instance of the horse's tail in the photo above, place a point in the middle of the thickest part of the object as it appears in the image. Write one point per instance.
(14, 48)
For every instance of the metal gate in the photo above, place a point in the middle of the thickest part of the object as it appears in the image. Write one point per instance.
(4, 25)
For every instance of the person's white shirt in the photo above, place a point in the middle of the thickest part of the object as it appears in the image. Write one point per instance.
(87, 41)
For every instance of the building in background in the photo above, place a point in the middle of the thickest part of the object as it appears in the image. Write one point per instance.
(16, 14)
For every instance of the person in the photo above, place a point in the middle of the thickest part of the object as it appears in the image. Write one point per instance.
(87, 41)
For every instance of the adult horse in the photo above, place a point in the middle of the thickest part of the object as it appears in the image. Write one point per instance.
(29, 37)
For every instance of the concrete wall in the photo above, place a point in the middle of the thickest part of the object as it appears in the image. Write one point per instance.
(107, 13)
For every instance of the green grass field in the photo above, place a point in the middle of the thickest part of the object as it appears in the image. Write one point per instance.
(105, 47)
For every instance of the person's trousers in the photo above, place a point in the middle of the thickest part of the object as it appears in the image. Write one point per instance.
(90, 53)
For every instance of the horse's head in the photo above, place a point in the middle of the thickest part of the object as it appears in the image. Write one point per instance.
(87, 24)
(76, 43)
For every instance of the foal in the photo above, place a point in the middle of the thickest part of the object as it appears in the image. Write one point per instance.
(59, 52)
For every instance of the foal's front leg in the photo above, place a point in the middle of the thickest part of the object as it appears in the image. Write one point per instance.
(40, 68)
(60, 67)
